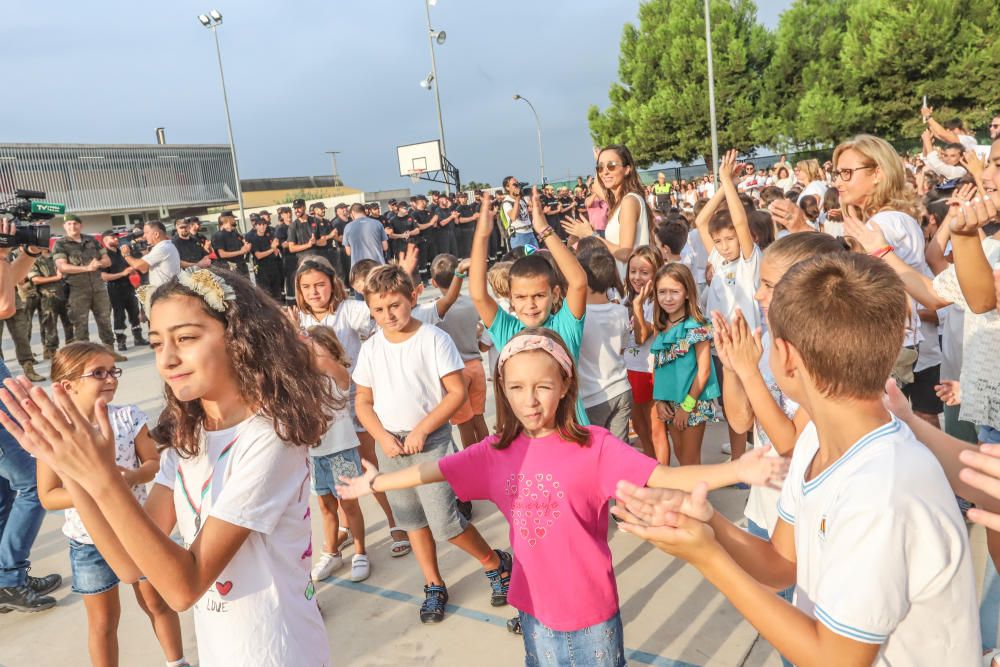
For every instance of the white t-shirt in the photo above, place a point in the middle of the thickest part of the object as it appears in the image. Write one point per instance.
(907, 240)
(352, 322)
(638, 358)
(405, 378)
(980, 376)
(520, 223)
(601, 365)
(164, 263)
(260, 610)
(126, 423)
(952, 327)
(341, 435)
(614, 229)
(970, 143)
(882, 555)
(817, 189)
(694, 255)
(426, 312)
(762, 503)
(734, 284)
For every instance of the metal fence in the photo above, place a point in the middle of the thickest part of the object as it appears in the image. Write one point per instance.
(92, 178)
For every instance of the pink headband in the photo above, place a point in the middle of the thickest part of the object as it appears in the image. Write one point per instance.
(526, 343)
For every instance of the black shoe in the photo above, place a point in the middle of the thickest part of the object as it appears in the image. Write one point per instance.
(137, 336)
(499, 583)
(44, 585)
(435, 600)
(465, 509)
(22, 598)
(121, 342)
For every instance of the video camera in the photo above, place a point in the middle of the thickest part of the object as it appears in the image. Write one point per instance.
(25, 209)
(525, 188)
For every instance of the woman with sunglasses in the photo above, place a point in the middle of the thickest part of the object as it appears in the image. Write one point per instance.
(87, 371)
(629, 216)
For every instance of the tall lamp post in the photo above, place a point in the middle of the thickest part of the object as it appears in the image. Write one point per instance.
(333, 156)
(212, 21)
(711, 91)
(538, 128)
(429, 82)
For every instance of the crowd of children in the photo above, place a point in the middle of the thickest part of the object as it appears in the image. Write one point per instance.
(646, 334)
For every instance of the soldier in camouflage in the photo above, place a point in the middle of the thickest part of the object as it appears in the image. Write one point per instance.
(17, 325)
(52, 302)
(80, 259)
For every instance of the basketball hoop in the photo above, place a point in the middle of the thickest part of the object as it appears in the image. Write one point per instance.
(415, 175)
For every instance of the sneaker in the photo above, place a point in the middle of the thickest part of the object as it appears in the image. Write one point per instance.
(360, 567)
(465, 509)
(727, 449)
(499, 583)
(22, 598)
(435, 600)
(44, 585)
(326, 565)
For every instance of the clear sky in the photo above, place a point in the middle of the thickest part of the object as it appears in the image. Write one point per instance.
(310, 76)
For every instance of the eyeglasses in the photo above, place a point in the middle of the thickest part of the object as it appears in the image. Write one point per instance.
(103, 373)
(846, 174)
(994, 125)
(607, 166)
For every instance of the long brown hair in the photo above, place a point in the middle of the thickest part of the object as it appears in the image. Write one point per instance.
(338, 293)
(71, 359)
(649, 254)
(632, 183)
(683, 275)
(567, 427)
(327, 339)
(271, 365)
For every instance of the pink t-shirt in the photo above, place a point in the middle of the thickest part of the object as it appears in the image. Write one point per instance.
(554, 495)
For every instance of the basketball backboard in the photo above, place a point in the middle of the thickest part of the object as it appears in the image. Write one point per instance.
(423, 157)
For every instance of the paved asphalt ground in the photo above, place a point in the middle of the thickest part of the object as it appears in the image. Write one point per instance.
(672, 616)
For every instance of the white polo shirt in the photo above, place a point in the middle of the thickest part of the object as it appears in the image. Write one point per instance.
(882, 553)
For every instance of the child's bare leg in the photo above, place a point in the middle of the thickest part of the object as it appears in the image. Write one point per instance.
(643, 427)
(472, 542)
(367, 451)
(658, 434)
(330, 521)
(103, 613)
(356, 522)
(687, 444)
(166, 623)
(425, 551)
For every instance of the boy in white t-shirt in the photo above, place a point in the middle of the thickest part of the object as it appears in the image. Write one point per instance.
(734, 261)
(604, 387)
(409, 383)
(868, 529)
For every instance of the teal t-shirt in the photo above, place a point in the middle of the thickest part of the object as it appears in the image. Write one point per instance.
(563, 323)
(676, 364)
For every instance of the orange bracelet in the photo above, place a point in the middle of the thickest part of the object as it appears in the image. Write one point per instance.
(881, 252)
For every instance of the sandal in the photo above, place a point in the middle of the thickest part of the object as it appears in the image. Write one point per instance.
(400, 547)
(514, 626)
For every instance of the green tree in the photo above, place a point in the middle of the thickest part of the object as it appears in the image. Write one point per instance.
(476, 185)
(660, 107)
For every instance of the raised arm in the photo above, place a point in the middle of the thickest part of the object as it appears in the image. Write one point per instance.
(727, 173)
(478, 290)
(705, 215)
(975, 275)
(576, 277)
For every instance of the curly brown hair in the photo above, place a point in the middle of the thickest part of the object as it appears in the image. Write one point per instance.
(338, 293)
(272, 368)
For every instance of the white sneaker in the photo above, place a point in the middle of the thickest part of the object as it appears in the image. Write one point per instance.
(360, 567)
(326, 565)
(727, 449)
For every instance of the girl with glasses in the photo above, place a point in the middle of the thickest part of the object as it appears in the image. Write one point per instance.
(87, 372)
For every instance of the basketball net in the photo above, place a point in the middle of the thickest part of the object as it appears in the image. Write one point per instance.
(415, 175)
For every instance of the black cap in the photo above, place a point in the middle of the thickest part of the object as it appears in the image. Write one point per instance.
(284, 209)
(421, 198)
(319, 204)
(192, 219)
(265, 212)
(403, 204)
(254, 217)
(392, 201)
(340, 206)
(110, 232)
(299, 203)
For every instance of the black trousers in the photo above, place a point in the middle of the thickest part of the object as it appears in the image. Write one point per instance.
(463, 237)
(123, 303)
(270, 280)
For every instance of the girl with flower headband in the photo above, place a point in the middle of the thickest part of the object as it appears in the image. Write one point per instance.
(552, 479)
(233, 480)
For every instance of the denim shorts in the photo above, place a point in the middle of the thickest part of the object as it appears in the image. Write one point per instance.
(600, 645)
(91, 573)
(327, 470)
(989, 434)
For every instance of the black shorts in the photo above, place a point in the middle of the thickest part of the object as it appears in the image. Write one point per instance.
(921, 391)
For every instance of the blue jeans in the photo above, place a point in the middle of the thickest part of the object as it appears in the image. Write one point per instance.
(524, 238)
(20, 512)
(761, 532)
(600, 645)
(989, 434)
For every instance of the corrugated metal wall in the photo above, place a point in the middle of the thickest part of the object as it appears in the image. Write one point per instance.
(97, 178)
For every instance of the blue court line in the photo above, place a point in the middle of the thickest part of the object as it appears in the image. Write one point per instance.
(635, 655)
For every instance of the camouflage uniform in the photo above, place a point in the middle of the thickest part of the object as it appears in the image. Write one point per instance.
(87, 291)
(52, 303)
(17, 325)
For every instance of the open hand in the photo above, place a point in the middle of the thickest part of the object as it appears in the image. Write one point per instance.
(578, 228)
(355, 487)
(746, 348)
(786, 213)
(722, 339)
(409, 261)
(949, 391)
(869, 236)
(664, 412)
(660, 507)
(983, 473)
(757, 469)
(684, 537)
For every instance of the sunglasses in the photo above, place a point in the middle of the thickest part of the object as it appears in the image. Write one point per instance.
(103, 373)
(994, 125)
(609, 166)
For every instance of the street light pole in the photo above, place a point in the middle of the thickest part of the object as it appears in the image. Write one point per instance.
(437, 91)
(213, 21)
(711, 90)
(538, 128)
(333, 156)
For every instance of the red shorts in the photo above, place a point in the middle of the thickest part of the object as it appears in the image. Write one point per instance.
(642, 386)
(474, 376)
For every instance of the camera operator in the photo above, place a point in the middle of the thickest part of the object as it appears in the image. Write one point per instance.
(162, 262)
(18, 490)
(514, 212)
